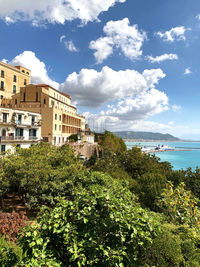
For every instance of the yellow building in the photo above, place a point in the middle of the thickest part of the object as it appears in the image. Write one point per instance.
(59, 117)
(11, 79)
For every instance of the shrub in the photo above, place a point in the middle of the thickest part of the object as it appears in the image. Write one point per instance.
(165, 250)
(179, 205)
(98, 226)
(10, 253)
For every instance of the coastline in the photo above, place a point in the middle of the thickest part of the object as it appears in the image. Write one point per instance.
(161, 141)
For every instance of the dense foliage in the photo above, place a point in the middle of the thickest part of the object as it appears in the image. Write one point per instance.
(11, 224)
(125, 208)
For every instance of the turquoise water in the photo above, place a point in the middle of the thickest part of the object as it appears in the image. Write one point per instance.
(178, 159)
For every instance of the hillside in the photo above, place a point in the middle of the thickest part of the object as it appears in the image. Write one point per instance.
(146, 136)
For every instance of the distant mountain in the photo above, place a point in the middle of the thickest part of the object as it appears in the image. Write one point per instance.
(146, 136)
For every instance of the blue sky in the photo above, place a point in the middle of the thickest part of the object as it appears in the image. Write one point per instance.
(127, 64)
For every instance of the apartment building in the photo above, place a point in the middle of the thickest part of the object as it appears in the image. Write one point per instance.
(20, 128)
(12, 78)
(59, 117)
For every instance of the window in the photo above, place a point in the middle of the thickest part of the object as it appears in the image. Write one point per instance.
(23, 71)
(44, 101)
(1, 96)
(19, 119)
(52, 103)
(2, 73)
(19, 132)
(55, 127)
(2, 85)
(24, 81)
(3, 148)
(24, 97)
(55, 116)
(33, 120)
(15, 101)
(32, 133)
(59, 127)
(60, 117)
(5, 115)
(27, 72)
(14, 78)
(14, 89)
(36, 96)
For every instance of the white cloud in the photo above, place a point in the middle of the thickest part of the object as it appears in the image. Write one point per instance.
(176, 108)
(100, 123)
(70, 46)
(62, 37)
(38, 69)
(198, 17)
(92, 88)
(119, 34)
(140, 106)
(162, 58)
(187, 71)
(5, 60)
(53, 11)
(175, 34)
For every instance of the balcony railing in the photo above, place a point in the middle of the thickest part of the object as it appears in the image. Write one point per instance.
(12, 138)
(33, 137)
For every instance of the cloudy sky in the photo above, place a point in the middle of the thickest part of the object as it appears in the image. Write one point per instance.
(127, 64)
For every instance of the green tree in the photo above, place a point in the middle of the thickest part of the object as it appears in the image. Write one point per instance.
(99, 226)
(179, 205)
(39, 174)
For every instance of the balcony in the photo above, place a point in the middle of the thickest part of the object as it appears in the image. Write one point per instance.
(32, 138)
(12, 138)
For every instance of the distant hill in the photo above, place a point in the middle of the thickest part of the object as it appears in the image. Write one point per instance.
(146, 136)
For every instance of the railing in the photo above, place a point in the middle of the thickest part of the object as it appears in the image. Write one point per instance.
(33, 137)
(12, 138)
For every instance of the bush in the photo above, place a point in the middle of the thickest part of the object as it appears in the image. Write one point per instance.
(38, 174)
(11, 224)
(179, 205)
(99, 226)
(10, 254)
(165, 250)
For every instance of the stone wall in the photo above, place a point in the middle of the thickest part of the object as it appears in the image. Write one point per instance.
(85, 149)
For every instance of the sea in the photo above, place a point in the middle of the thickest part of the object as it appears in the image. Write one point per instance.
(178, 159)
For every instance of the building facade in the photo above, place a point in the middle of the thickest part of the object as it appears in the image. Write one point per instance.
(20, 128)
(59, 117)
(11, 79)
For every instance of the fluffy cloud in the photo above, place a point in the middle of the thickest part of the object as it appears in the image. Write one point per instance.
(53, 11)
(175, 34)
(100, 123)
(141, 106)
(187, 71)
(38, 69)
(92, 88)
(131, 96)
(162, 58)
(119, 34)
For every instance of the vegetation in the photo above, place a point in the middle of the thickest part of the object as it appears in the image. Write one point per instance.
(73, 138)
(11, 224)
(123, 209)
(146, 136)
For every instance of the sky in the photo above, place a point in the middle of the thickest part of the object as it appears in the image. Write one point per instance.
(127, 64)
